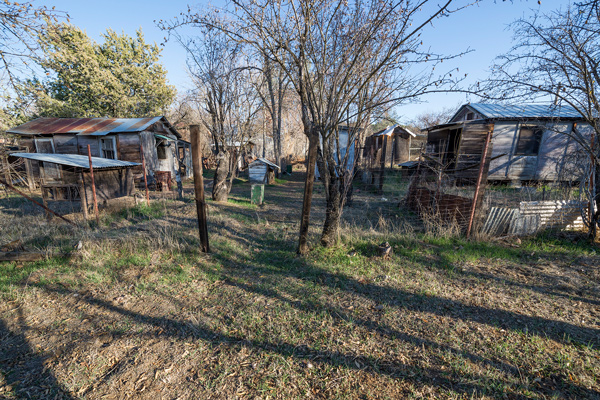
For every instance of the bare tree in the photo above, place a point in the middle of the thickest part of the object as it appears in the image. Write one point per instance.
(272, 93)
(21, 23)
(226, 92)
(556, 56)
(342, 59)
(432, 118)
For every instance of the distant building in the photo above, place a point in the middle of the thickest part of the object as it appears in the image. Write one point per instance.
(391, 145)
(112, 138)
(529, 142)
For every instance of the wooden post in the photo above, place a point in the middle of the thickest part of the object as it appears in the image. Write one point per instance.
(83, 197)
(45, 202)
(30, 180)
(199, 188)
(479, 179)
(382, 165)
(145, 178)
(313, 144)
(393, 143)
(93, 186)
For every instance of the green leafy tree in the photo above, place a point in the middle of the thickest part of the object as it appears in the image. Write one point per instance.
(121, 77)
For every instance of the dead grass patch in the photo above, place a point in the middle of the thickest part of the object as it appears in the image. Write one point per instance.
(139, 313)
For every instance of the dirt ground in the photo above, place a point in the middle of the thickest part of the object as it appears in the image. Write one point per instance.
(138, 313)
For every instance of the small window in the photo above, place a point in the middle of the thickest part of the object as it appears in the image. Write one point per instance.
(470, 116)
(530, 137)
(108, 147)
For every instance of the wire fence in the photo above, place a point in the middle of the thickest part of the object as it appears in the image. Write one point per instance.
(458, 199)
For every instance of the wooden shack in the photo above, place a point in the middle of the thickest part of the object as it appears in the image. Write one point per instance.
(391, 144)
(113, 178)
(262, 171)
(123, 139)
(528, 143)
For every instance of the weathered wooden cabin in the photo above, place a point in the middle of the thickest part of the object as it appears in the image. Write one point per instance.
(110, 138)
(113, 178)
(528, 143)
(389, 145)
(262, 170)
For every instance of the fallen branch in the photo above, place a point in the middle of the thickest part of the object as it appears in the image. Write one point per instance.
(11, 187)
(21, 256)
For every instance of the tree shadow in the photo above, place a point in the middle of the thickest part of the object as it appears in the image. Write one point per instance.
(23, 368)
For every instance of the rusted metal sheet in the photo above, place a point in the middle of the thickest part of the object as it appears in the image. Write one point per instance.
(87, 126)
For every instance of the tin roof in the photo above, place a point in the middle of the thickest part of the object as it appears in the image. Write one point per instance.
(265, 161)
(88, 126)
(389, 130)
(76, 160)
(542, 111)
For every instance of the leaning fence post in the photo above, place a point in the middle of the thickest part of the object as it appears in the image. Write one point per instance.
(93, 186)
(479, 179)
(199, 188)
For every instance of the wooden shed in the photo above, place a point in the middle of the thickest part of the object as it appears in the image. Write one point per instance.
(529, 142)
(123, 139)
(389, 145)
(262, 170)
(113, 178)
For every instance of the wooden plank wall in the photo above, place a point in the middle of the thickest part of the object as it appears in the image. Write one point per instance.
(257, 172)
(470, 149)
(83, 141)
(149, 144)
(503, 139)
(110, 184)
(65, 144)
(552, 151)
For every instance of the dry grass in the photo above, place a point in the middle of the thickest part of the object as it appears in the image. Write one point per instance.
(139, 313)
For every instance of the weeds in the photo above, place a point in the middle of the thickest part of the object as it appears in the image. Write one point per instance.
(140, 310)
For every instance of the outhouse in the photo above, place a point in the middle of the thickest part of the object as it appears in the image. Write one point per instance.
(262, 171)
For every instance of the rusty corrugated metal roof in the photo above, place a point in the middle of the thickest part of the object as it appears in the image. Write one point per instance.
(77, 160)
(87, 126)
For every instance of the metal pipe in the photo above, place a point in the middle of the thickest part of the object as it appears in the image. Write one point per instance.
(145, 178)
(93, 185)
(479, 179)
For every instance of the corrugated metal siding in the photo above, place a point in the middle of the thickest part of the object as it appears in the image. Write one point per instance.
(498, 220)
(76, 160)
(535, 216)
(558, 214)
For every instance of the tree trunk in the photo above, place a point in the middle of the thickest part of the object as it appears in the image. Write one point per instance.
(329, 235)
(313, 142)
(595, 204)
(221, 186)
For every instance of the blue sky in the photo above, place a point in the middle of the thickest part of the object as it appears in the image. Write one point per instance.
(482, 28)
